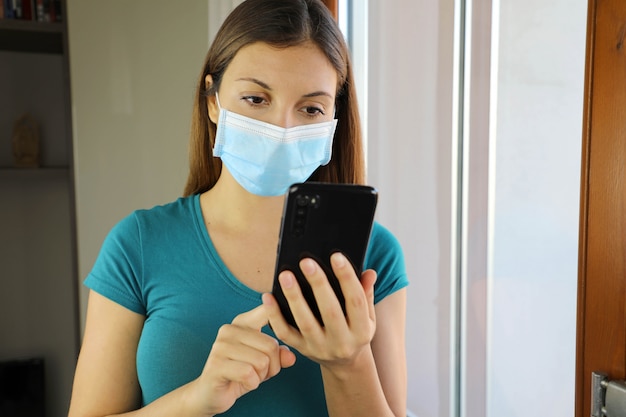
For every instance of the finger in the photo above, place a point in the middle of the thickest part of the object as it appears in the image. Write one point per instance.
(253, 319)
(242, 373)
(327, 301)
(249, 346)
(355, 294)
(257, 359)
(368, 279)
(287, 357)
(245, 329)
(302, 314)
(283, 330)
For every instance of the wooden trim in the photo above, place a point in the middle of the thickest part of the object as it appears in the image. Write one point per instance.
(601, 315)
(580, 394)
(332, 6)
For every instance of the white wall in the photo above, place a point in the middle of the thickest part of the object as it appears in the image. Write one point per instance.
(134, 67)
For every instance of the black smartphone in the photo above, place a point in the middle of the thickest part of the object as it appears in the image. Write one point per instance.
(318, 220)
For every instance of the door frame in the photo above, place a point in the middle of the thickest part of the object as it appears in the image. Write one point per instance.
(601, 315)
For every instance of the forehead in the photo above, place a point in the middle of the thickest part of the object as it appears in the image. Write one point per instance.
(303, 66)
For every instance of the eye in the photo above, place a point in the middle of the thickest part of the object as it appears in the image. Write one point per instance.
(254, 100)
(312, 111)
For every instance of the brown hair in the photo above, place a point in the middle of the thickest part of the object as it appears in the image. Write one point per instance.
(279, 23)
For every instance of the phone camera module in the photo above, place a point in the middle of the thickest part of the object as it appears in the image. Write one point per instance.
(303, 202)
(314, 201)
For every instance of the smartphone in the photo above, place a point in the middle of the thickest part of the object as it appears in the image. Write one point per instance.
(318, 220)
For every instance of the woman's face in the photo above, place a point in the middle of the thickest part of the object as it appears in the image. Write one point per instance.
(286, 87)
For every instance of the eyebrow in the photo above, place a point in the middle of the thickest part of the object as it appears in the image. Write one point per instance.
(317, 94)
(267, 87)
(256, 81)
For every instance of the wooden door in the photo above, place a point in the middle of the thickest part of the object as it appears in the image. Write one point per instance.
(332, 6)
(601, 321)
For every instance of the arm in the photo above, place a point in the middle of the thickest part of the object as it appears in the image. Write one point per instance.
(377, 379)
(106, 380)
(389, 349)
(363, 365)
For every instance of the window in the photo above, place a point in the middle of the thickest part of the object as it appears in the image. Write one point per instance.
(478, 174)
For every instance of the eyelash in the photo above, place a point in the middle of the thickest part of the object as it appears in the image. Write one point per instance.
(251, 101)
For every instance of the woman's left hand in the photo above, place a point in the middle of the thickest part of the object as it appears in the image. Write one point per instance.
(342, 338)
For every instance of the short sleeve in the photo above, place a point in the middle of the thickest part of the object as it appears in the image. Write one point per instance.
(385, 256)
(117, 272)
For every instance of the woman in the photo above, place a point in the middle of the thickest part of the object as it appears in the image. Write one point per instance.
(180, 319)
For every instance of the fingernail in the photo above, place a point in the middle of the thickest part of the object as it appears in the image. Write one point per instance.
(267, 299)
(338, 259)
(286, 280)
(307, 266)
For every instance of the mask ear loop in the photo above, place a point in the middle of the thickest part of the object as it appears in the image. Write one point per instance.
(217, 98)
(215, 139)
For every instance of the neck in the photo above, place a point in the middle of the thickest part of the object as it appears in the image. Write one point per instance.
(228, 205)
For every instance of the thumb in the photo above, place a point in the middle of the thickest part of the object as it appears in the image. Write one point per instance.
(368, 279)
(287, 357)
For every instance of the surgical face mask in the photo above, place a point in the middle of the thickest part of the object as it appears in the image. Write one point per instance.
(266, 159)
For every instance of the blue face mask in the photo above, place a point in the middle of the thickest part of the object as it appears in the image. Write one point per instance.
(266, 159)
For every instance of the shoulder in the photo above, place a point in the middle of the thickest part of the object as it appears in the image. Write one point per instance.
(382, 236)
(156, 218)
(385, 256)
(133, 246)
(174, 210)
(383, 245)
(132, 232)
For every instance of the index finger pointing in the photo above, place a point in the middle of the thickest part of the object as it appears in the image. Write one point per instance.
(253, 319)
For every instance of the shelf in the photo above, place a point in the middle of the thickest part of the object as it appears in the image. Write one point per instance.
(31, 36)
(33, 173)
(31, 25)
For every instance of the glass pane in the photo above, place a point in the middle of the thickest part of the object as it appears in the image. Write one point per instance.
(408, 120)
(532, 324)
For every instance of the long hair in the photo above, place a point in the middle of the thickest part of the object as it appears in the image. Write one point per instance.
(281, 24)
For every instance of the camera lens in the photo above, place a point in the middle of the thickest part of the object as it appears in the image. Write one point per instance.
(302, 200)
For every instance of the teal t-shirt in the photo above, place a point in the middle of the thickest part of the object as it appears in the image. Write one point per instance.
(162, 264)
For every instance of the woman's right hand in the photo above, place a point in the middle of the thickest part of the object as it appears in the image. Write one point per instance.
(242, 357)
(106, 382)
